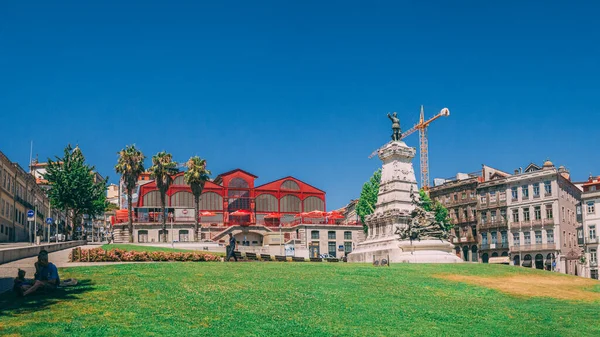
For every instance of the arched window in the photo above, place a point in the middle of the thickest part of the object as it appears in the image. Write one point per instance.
(466, 253)
(211, 201)
(238, 183)
(494, 254)
(182, 199)
(474, 253)
(290, 185)
(266, 203)
(517, 260)
(313, 204)
(151, 199)
(485, 258)
(290, 203)
(179, 181)
(504, 254)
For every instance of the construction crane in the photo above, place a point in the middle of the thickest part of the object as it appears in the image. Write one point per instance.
(424, 152)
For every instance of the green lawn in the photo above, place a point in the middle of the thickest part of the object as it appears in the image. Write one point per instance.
(293, 299)
(138, 248)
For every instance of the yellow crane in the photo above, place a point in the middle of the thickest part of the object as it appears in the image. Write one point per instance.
(424, 152)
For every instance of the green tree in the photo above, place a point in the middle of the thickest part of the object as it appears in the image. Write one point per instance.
(196, 176)
(130, 165)
(73, 186)
(368, 197)
(162, 169)
(441, 212)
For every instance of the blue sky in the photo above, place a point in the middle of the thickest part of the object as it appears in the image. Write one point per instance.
(302, 88)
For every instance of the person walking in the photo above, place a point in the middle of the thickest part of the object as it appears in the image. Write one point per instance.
(231, 248)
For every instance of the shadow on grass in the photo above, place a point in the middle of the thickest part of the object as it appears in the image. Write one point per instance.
(11, 304)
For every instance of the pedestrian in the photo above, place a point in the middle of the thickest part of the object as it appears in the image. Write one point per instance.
(231, 248)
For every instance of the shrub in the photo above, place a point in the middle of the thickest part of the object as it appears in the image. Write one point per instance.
(118, 255)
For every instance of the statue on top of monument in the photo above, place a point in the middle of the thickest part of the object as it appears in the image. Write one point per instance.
(423, 225)
(396, 131)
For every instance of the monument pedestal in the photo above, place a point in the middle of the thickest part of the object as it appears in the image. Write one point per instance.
(392, 211)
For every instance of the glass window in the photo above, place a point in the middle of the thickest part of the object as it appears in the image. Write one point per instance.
(549, 212)
(347, 247)
(463, 196)
(314, 235)
(526, 214)
(590, 207)
(548, 187)
(494, 237)
(593, 255)
(538, 237)
(525, 191)
(484, 239)
(537, 212)
(516, 239)
(493, 215)
(536, 190)
(514, 192)
(331, 248)
(515, 214)
(492, 196)
(527, 237)
(504, 237)
(348, 235)
(593, 232)
(482, 199)
(331, 235)
(550, 236)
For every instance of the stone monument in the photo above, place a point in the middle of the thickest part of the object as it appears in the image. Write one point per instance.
(399, 230)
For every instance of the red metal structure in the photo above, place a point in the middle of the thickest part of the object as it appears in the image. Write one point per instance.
(230, 192)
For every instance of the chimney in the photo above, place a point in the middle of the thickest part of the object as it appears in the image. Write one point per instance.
(516, 171)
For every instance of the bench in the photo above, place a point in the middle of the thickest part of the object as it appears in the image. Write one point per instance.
(298, 259)
(316, 259)
(238, 255)
(265, 257)
(280, 258)
(251, 256)
(333, 259)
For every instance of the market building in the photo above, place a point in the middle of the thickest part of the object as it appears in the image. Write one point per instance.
(284, 211)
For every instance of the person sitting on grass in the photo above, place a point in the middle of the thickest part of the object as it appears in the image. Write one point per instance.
(46, 275)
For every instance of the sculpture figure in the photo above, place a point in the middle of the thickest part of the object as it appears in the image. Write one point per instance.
(396, 131)
(423, 225)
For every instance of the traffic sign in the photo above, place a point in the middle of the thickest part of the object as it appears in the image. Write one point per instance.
(49, 221)
(30, 215)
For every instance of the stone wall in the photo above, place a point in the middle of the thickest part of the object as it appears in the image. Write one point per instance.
(17, 253)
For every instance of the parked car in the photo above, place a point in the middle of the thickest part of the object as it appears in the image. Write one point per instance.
(327, 256)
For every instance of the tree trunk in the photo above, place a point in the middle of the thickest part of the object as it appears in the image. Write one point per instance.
(197, 212)
(130, 214)
(164, 218)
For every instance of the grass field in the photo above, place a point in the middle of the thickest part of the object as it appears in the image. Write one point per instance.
(300, 299)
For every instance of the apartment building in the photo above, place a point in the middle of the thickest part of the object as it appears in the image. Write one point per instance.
(458, 195)
(20, 193)
(492, 216)
(542, 207)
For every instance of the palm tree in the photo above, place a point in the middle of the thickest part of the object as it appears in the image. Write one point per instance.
(196, 176)
(163, 167)
(130, 165)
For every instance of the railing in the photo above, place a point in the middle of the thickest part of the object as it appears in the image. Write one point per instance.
(501, 245)
(548, 221)
(493, 224)
(593, 263)
(535, 247)
(589, 240)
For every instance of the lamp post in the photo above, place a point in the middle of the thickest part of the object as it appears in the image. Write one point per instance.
(172, 233)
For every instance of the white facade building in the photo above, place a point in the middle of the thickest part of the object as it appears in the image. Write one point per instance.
(541, 211)
(590, 201)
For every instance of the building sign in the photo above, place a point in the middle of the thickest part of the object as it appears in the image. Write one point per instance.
(184, 214)
(290, 250)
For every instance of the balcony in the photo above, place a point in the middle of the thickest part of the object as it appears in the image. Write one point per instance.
(501, 245)
(593, 263)
(592, 241)
(535, 247)
(548, 222)
(493, 224)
